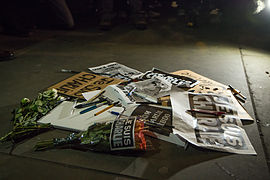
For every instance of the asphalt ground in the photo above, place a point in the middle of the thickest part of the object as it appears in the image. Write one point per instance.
(234, 51)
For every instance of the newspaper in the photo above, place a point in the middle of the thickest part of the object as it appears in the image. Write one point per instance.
(153, 87)
(116, 70)
(117, 93)
(158, 119)
(223, 133)
(173, 79)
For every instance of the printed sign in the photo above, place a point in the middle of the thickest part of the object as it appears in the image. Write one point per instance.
(154, 115)
(213, 130)
(122, 134)
(224, 132)
(83, 82)
(173, 79)
(207, 85)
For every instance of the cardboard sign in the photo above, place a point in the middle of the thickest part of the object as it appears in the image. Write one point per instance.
(205, 85)
(83, 82)
(209, 86)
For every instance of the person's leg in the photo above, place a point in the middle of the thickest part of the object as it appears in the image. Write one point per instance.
(106, 13)
(62, 13)
(121, 9)
(138, 13)
(191, 10)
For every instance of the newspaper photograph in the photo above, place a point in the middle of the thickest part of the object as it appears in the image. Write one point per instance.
(196, 119)
(116, 70)
(153, 87)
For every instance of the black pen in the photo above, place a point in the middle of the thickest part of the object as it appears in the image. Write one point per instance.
(79, 106)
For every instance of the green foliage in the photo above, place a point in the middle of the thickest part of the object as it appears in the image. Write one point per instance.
(95, 138)
(26, 116)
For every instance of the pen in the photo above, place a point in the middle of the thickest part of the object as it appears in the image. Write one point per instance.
(83, 105)
(216, 113)
(237, 92)
(118, 114)
(114, 113)
(131, 91)
(69, 71)
(105, 109)
(93, 107)
(96, 96)
(73, 107)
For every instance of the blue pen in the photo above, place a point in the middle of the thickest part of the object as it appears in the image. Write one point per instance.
(93, 107)
(131, 91)
(117, 113)
(114, 113)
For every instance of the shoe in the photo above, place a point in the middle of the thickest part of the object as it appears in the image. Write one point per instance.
(140, 21)
(153, 14)
(6, 55)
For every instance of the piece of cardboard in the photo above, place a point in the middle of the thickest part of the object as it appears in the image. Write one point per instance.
(83, 82)
(207, 86)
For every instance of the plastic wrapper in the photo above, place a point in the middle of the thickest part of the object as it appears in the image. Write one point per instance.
(125, 134)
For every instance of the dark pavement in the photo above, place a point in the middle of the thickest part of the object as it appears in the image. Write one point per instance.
(232, 52)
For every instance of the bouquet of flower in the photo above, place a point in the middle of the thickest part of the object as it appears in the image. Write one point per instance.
(121, 134)
(26, 116)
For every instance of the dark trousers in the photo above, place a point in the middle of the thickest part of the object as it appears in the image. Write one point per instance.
(58, 13)
(108, 6)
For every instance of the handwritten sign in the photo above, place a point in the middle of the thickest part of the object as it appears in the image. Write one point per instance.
(83, 82)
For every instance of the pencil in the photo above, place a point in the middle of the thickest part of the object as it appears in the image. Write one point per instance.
(105, 109)
(237, 92)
